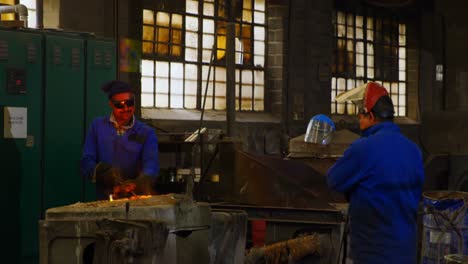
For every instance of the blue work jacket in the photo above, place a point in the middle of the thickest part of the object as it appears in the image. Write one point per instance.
(134, 153)
(382, 175)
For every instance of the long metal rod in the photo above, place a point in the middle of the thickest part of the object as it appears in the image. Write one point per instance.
(230, 71)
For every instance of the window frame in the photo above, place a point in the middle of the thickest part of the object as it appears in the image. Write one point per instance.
(201, 64)
(397, 88)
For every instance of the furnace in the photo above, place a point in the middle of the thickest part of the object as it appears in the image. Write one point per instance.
(155, 229)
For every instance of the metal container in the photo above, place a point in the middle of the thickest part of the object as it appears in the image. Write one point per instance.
(445, 225)
(160, 229)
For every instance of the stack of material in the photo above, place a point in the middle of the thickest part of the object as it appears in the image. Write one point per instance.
(293, 250)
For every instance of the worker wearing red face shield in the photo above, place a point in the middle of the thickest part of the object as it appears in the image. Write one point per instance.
(120, 153)
(382, 175)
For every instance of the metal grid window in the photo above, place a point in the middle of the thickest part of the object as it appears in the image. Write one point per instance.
(177, 51)
(369, 48)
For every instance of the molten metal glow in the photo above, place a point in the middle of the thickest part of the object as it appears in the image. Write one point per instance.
(133, 197)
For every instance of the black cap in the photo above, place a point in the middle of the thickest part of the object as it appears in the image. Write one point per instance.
(116, 87)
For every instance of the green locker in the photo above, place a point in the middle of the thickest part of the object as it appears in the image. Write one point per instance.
(64, 118)
(100, 68)
(21, 61)
(51, 93)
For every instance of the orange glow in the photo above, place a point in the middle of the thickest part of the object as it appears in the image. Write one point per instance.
(125, 191)
(131, 198)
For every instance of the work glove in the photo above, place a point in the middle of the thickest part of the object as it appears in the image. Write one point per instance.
(144, 185)
(106, 176)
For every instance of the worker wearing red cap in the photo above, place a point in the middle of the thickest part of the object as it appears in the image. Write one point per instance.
(382, 176)
(119, 150)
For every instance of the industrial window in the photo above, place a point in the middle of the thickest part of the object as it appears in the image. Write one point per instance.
(30, 4)
(177, 53)
(369, 48)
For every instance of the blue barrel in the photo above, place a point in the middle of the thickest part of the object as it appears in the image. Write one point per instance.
(445, 225)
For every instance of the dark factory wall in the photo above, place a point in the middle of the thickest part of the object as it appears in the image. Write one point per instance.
(298, 72)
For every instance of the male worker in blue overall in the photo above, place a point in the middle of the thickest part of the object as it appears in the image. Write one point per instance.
(382, 175)
(119, 150)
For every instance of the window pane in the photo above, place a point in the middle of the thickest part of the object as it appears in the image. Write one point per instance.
(208, 41)
(402, 76)
(259, 33)
(259, 92)
(246, 77)
(147, 68)
(148, 16)
(162, 100)
(162, 86)
(148, 48)
(208, 26)
(402, 53)
(259, 60)
(191, 54)
(259, 17)
(220, 74)
(220, 104)
(259, 47)
(191, 72)
(191, 39)
(206, 55)
(177, 101)
(162, 69)
(177, 21)
(220, 91)
(191, 6)
(177, 70)
(162, 19)
(247, 15)
(191, 23)
(402, 65)
(208, 9)
(147, 99)
(259, 5)
(190, 102)
(259, 77)
(148, 33)
(147, 85)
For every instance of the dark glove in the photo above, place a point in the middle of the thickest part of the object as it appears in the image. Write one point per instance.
(106, 176)
(144, 185)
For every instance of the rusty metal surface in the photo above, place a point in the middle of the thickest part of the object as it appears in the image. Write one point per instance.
(176, 210)
(292, 251)
(271, 181)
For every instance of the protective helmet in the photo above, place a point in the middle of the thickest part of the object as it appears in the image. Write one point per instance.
(320, 130)
(364, 96)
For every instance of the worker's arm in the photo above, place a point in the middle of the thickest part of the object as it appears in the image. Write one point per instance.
(348, 171)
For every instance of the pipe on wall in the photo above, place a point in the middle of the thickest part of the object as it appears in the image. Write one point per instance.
(20, 9)
(40, 13)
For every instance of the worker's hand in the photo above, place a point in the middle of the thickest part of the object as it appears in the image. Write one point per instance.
(144, 185)
(106, 175)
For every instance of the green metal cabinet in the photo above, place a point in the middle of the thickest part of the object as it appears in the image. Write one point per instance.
(21, 79)
(56, 77)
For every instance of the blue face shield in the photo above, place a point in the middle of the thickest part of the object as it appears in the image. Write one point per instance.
(320, 130)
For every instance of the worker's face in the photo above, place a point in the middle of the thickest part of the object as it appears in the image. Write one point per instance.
(123, 107)
(366, 120)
